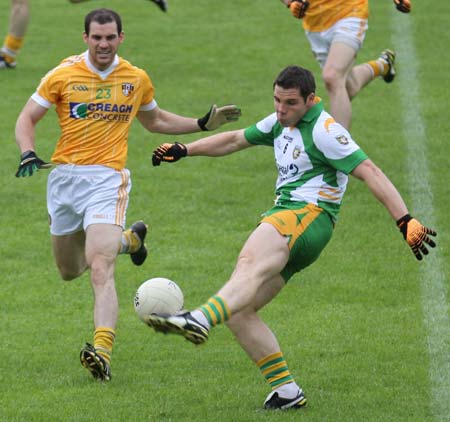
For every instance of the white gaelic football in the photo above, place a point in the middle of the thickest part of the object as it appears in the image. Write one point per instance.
(158, 296)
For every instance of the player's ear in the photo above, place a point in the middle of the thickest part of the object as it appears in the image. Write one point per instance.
(121, 37)
(311, 99)
(85, 37)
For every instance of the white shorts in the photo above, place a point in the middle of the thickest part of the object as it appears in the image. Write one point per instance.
(78, 196)
(350, 31)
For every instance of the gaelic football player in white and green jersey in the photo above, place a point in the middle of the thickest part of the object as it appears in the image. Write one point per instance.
(314, 155)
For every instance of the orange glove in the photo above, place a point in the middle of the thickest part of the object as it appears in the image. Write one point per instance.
(403, 6)
(298, 8)
(168, 153)
(416, 235)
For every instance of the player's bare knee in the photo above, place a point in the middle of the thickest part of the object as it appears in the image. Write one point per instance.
(101, 271)
(246, 261)
(332, 79)
(98, 275)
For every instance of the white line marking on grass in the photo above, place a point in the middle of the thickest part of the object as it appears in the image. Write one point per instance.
(434, 299)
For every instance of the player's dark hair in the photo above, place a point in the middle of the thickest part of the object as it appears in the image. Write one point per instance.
(296, 77)
(102, 16)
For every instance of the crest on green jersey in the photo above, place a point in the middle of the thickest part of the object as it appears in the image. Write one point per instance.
(342, 139)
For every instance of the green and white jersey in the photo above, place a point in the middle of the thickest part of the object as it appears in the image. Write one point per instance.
(313, 158)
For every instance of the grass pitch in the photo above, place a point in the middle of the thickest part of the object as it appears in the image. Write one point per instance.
(352, 327)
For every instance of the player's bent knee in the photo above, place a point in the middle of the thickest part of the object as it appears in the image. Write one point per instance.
(246, 262)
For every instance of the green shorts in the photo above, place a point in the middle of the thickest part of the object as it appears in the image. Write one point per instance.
(308, 229)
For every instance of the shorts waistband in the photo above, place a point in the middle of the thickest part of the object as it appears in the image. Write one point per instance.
(86, 169)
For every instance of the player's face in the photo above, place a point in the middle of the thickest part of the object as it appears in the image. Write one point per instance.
(103, 42)
(290, 106)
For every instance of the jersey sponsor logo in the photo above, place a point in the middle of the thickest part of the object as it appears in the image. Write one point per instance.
(288, 138)
(286, 172)
(78, 110)
(83, 88)
(127, 88)
(101, 111)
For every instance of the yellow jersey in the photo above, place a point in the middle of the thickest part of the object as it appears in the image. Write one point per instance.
(322, 14)
(95, 109)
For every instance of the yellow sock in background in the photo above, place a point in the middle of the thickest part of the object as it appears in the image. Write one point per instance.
(11, 47)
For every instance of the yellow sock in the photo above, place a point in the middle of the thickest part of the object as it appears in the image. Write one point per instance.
(379, 68)
(216, 310)
(103, 341)
(11, 47)
(275, 370)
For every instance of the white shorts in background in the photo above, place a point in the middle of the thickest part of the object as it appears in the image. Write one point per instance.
(350, 31)
(78, 196)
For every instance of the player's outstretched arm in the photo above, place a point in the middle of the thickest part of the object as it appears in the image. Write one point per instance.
(212, 146)
(416, 235)
(161, 121)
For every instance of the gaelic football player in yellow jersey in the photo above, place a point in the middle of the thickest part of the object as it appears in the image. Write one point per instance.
(97, 94)
(336, 30)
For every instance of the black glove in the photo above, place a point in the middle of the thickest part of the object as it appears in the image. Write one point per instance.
(169, 153)
(162, 4)
(298, 8)
(416, 235)
(217, 116)
(403, 6)
(29, 163)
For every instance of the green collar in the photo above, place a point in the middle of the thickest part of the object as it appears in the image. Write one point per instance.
(312, 113)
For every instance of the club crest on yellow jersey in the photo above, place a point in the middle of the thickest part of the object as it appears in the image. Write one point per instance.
(127, 88)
